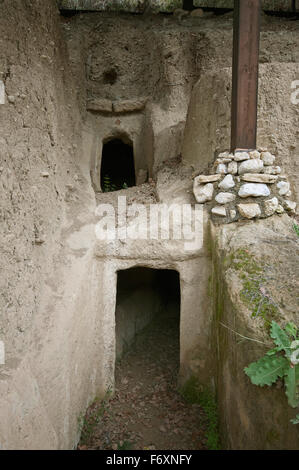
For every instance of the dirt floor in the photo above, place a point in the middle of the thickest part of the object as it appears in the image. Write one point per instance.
(146, 411)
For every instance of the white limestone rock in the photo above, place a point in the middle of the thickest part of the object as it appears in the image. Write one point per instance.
(290, 205)
(259, 178)
(284, 188)
(280, 209)
(207, 179)
(221, 169)
(241, 156)
(272, 170)
(270, 206)
(251, 166)
(203, 192)
(232, 168)
(224, 155)
(225, 198)
(268, 158)
(223, 160)
(219, 210)
(249, 211)
(227, 183)
(255, 154)
(254, 190)
(232, 213)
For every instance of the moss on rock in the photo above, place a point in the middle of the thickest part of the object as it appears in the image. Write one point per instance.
(253, 294)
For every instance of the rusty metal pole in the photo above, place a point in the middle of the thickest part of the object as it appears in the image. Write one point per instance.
(245, 74)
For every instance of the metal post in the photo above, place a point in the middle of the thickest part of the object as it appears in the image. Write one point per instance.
(245, 74)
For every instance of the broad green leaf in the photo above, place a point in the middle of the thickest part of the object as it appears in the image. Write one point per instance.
(280, 337)
(291, 329)
(295, 420)
(272, 352)
(267, 370)
(292, 386)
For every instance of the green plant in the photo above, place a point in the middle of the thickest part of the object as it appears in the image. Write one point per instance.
(92, 418)
(295, 420)
(296, 229)
(280, 362)
(126, 445)
(108, 186)
(192, 392)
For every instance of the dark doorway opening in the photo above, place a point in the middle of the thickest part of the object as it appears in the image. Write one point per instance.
(146, 410)
(117, 168)
(147, 297)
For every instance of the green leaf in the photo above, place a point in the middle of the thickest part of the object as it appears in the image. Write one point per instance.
(280, 337)
(296, 229)
(271, 352)
(291, 329)
(267, 370)
(295, 420)
(292, 386)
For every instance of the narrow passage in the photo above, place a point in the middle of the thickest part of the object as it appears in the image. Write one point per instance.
(146, 411)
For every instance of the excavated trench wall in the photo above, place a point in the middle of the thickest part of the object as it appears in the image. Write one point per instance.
(153, 68)
(45, 194)
(56, 283)
(257, 267)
